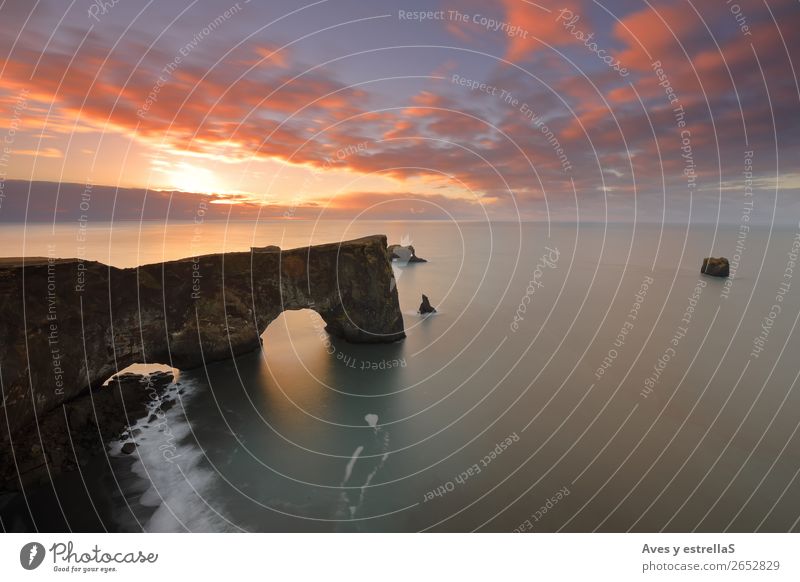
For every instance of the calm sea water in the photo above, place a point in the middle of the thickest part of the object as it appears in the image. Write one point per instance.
(575, 378)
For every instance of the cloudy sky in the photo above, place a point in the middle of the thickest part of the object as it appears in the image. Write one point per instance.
(591, 109)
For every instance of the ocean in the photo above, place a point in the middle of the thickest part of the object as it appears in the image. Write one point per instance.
(576, 377)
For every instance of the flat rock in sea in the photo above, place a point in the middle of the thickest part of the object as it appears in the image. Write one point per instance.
(128, 448)
(716, 267)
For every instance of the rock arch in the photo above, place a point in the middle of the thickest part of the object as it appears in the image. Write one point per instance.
(68, 325)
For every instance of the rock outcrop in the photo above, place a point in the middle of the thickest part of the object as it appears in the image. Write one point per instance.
(79, 429)
(68, 325)
(715, 267)
(404, 254)
(425, 306)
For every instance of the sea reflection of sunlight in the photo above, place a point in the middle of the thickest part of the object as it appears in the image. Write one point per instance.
(295, 357)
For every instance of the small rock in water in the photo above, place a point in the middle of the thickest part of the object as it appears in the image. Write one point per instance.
(715, 267)
(128, 448)
(404, 254)
(425, 306)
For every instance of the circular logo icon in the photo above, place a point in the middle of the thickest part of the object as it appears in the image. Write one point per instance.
(31, 555)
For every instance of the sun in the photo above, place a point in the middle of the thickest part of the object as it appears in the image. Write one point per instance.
(190, 178)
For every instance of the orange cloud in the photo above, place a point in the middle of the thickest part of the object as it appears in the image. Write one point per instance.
(657, 33)
(40, 153)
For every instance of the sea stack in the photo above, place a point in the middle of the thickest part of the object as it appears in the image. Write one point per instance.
(715, 267)
(404, 254)
(425, 306)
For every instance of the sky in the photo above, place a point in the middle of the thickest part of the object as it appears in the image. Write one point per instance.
(466, 109)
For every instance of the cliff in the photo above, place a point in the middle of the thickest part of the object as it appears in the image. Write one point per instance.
(68, 325)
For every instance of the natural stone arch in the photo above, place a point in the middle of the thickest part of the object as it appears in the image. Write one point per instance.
(101, 319)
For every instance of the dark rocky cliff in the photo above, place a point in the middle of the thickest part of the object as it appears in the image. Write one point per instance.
(68, 325)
